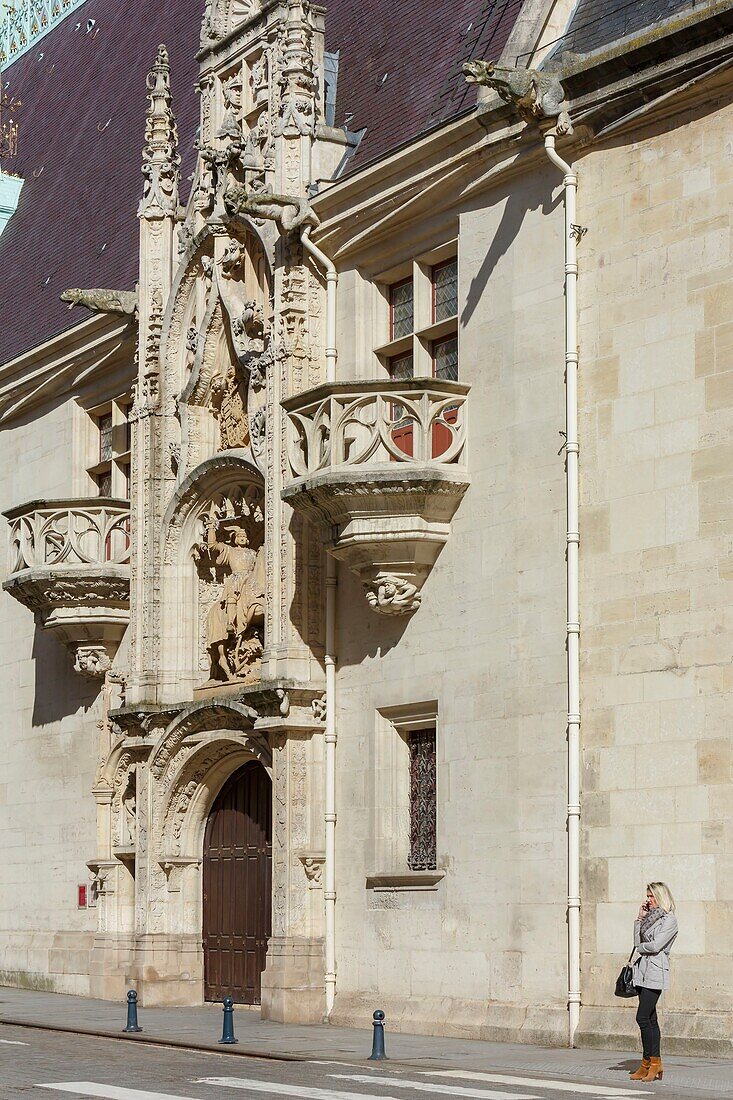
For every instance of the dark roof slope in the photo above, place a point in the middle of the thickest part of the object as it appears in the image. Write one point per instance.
(81, 130)
(82, 126)
(598, 23)
(400, 63)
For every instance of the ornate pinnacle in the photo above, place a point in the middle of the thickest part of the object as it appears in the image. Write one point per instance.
(160, 156)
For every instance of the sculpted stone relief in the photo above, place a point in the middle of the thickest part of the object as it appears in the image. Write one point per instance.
(230, 561)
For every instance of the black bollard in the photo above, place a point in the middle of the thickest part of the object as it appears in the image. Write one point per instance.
(132, 1012)
(378, 1054)
(227, 1035)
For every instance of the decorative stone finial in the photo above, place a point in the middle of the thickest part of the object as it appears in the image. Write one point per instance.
(536, 95)
(161, 161)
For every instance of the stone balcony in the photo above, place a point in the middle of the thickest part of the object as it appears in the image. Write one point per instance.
(69, 562)
(381, 467)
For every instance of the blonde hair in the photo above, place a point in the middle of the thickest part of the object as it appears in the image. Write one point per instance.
(662, 895)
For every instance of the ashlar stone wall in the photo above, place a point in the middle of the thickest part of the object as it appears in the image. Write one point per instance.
(485, 948)
(656, 392)
(48, 748)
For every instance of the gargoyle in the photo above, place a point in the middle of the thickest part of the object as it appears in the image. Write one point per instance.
(536, 95)
(289, 211)
(102, 301)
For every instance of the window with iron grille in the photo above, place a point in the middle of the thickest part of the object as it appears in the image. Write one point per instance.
(423, 802)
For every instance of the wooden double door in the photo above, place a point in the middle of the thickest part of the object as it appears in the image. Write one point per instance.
(237, 884)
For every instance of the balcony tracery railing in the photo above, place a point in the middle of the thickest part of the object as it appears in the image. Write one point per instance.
(418, 421)
(69, 533)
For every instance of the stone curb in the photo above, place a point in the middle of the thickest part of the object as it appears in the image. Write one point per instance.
(157, 1040)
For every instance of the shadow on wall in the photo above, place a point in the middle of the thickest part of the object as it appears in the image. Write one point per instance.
(361, 632)
(59, 691)
(525, 194)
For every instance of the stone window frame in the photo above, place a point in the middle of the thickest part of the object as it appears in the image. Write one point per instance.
(119, 464)
(427, 333)
(390, 833)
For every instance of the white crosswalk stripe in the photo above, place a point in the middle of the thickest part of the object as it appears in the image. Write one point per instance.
(111, 1092)
(607, 1092)
(12, 1043)
(306, 1092)
(423, 1086)
(380, 1087)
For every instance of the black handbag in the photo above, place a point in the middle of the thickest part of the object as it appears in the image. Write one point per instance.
(625, 982)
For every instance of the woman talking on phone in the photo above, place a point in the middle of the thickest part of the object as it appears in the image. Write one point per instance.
(655, 930)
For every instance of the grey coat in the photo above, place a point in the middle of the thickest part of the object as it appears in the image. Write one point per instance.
(653, 943)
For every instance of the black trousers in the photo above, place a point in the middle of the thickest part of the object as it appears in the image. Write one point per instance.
(646, 1018)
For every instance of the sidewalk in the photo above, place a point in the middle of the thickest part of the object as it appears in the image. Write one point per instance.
(200, 1028)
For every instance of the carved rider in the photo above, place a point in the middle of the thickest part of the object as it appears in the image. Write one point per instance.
(234, 617)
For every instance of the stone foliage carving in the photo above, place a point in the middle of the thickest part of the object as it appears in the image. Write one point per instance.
(161, 161)
(230, 555)
(536, 95)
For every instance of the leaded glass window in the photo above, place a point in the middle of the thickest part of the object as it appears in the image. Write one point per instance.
(104, 484)
(105, 437)
(445, 291)
(401, 307)
(423, 804)
(445, 359)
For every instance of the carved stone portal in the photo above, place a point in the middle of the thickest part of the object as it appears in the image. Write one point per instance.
(231, 562)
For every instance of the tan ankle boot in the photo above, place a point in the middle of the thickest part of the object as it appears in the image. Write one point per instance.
(642, 1071)
(655, 1070)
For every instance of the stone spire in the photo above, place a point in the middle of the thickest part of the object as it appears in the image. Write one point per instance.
(160, 156)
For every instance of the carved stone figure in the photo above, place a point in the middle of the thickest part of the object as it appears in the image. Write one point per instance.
(288, 211)
(92, 660)
(536, 95)
(234, 622)
(102, 301)
(229, 403)
(128, 820)
(392, 595)
(257, 430)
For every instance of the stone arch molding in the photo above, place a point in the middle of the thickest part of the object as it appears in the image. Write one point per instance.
(227, 470)
(216, 345)
(195, 756)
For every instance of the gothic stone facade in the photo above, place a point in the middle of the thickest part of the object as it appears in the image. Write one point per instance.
(406, 500)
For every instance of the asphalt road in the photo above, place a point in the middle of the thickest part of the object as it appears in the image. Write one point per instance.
(45, 1065)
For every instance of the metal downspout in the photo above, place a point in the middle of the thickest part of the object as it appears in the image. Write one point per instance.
(570, 182)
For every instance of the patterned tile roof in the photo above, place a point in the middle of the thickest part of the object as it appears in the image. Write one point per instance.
(80, 138)
(400, 66)
(82, 125)
(597, 23)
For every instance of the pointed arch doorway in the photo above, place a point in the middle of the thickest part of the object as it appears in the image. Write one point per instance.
(237, 884)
